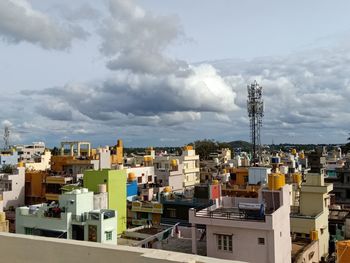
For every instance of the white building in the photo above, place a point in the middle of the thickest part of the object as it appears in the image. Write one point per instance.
(178, 172)
(247, 229)
(143, 174)
(39, 162)
(73, 218)
(12, 188)
(27, 152)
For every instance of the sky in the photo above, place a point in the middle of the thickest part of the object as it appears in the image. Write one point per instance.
(155, 72)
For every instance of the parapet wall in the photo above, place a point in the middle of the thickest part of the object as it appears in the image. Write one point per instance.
(17, 248)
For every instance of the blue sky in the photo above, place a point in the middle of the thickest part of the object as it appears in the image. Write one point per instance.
(168, 72)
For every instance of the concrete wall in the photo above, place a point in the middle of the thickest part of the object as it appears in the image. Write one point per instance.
(77, 204)
(143, 173)
(43, 165)
(24, 220)
(15, 197)
(309, 254)
(244, 241)
(30, 249)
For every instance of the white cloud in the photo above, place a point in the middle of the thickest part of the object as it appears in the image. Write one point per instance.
(20, 22)
(147, 87)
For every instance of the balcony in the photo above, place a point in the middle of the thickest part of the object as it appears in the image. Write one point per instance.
(147, 207)
(228, 214)
(52, 197)
(232, 217)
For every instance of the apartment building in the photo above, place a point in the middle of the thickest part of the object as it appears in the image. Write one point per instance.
(12, 188)
(73, 217)
(247, 229)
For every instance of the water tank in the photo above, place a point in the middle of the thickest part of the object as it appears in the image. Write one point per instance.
(314, 235)
(76, 191)
(249, 206)
(167, 189)
(252, 210)
(275, 160)
(147, 158)
(131, 177)
(84, 190)
(173, 163)
(188, 148)
(294, 151)
(276, 181)
(102, 188)
(215, 181)
(297, 178)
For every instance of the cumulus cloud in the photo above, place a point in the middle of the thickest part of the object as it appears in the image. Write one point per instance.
(20, 22)
(147, 87)
(305, 92)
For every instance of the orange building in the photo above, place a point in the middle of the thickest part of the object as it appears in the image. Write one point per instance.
(117, 153)
(239, 176)
(35, 187)
(65, 163)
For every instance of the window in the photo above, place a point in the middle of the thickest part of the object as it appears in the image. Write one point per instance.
(224, 242)
(28, 231)
(108, 235)
(150, 178)
(139, 180)
(261, 241)
(172, 212)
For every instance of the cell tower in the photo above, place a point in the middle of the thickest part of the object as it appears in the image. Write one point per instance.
(255, 106)
(7, 137)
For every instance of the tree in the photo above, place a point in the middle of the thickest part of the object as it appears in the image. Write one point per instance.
(205, 147)
(346, 147)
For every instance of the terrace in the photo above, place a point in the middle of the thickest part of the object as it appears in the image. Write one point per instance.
(232, 213)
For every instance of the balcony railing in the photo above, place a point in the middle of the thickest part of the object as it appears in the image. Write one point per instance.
(228, 214)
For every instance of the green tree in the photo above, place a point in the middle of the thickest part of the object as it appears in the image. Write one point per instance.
(205, 147)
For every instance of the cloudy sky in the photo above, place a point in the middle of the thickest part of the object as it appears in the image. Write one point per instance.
(156, 72)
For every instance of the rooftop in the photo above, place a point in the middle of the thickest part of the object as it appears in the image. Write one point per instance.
(15, 249)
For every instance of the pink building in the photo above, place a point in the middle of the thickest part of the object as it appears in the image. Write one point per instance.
(247, 229)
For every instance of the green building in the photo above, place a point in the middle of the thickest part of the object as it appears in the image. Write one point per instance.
(116, 188)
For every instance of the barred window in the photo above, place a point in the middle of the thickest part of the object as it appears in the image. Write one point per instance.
(224, 242)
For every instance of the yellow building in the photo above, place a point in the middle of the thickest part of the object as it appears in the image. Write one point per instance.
(309, 220)
(117, 154)
(4, 224)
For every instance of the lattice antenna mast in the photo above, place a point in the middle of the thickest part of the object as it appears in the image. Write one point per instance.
(7, 137)
(255, 106)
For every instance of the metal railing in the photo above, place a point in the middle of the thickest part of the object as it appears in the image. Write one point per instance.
(228, 214)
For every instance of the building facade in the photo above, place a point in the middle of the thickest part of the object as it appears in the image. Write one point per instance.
(115, 181)
(247, 229)
(73, 217)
